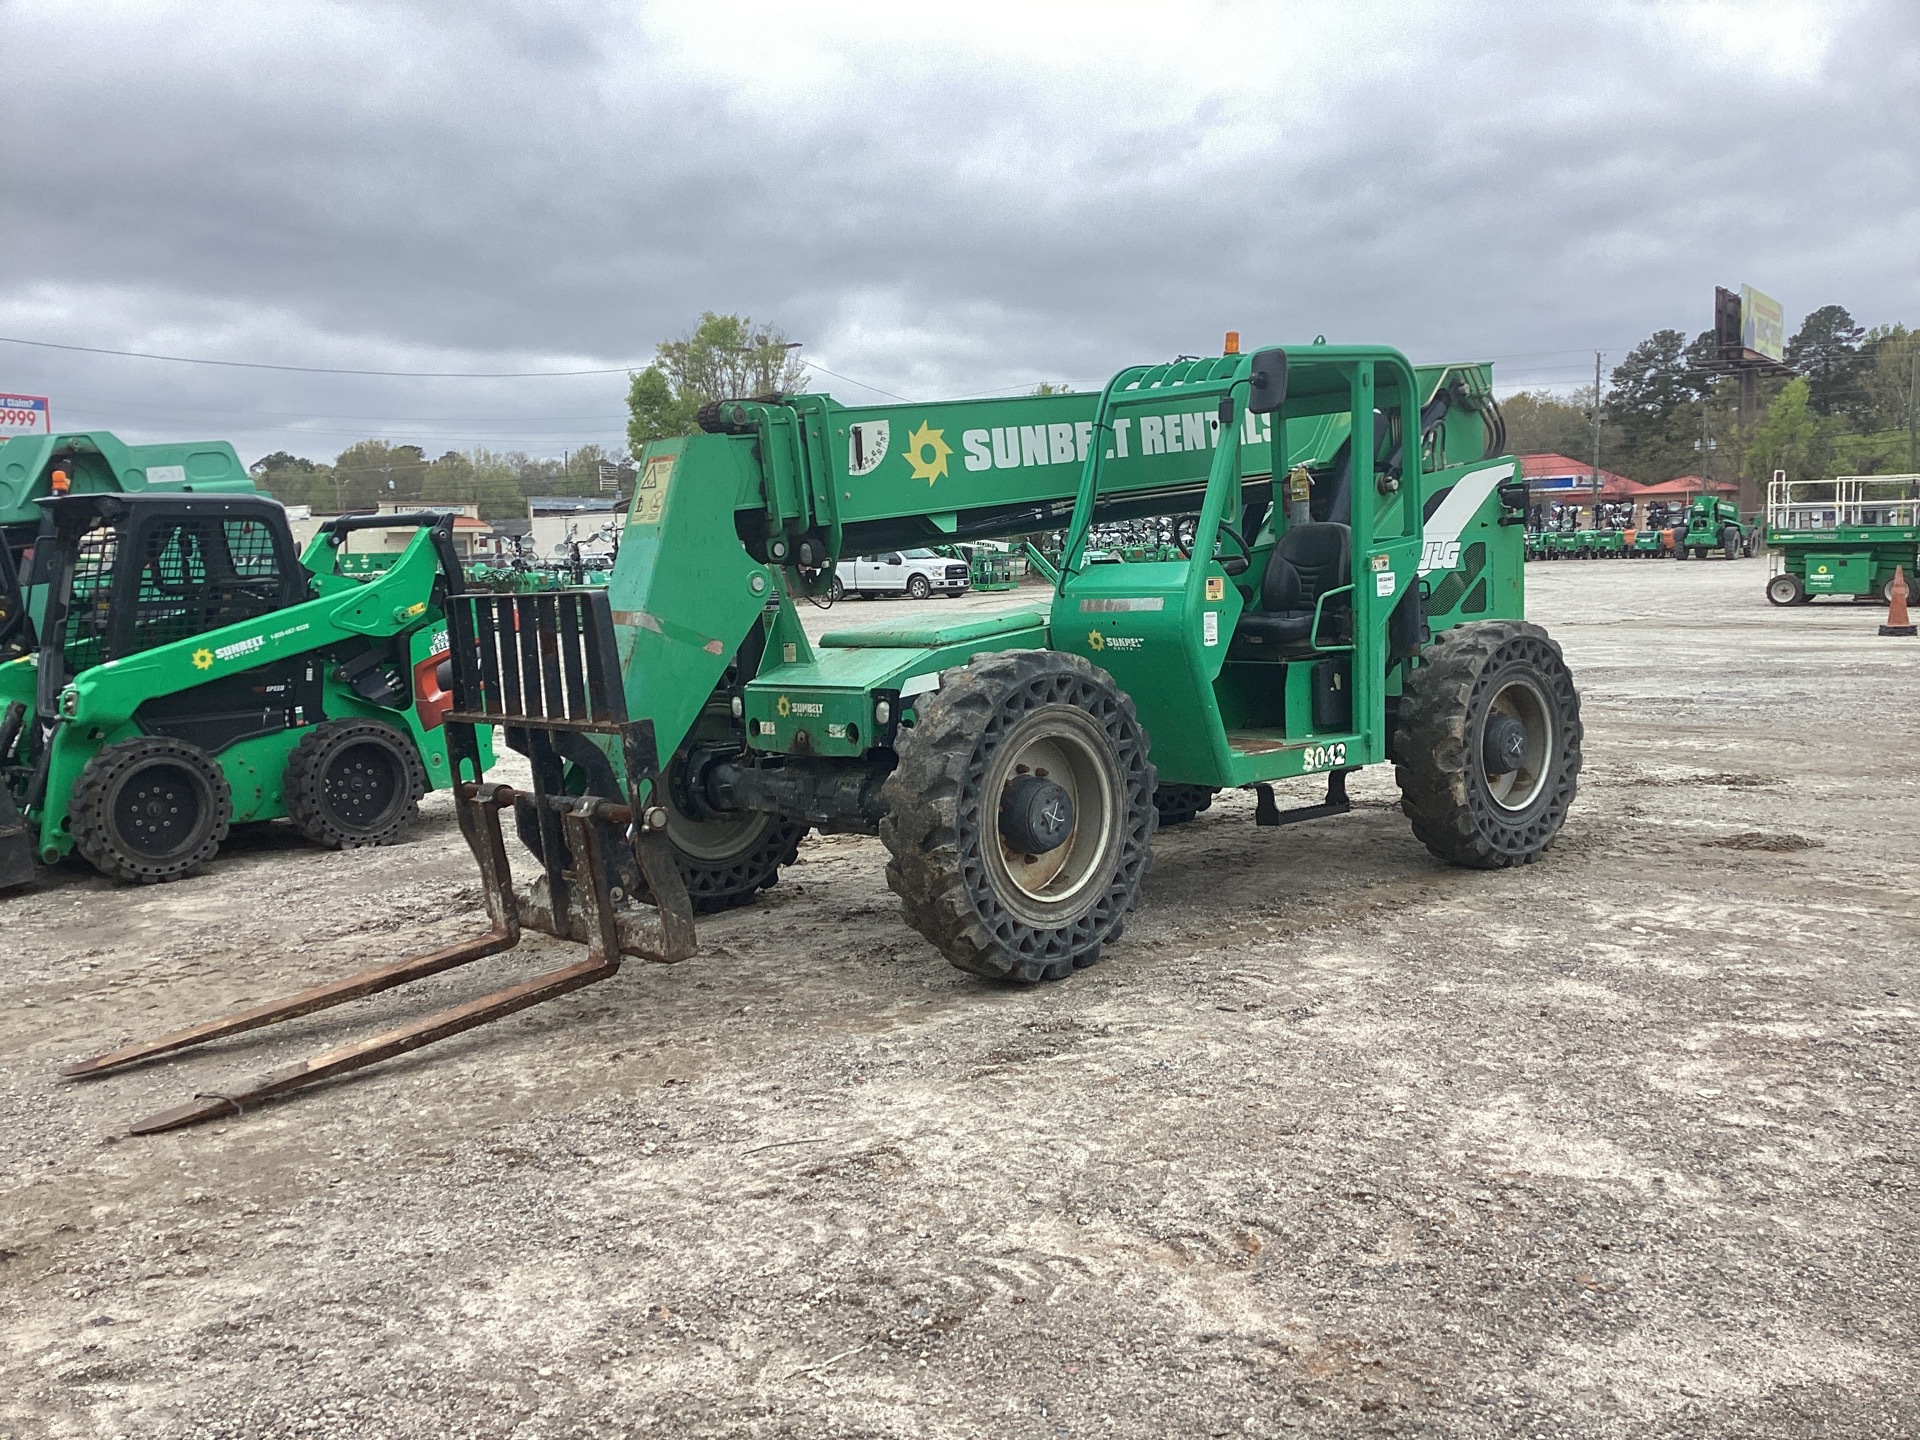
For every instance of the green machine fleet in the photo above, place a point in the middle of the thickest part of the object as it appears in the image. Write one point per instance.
(1349, 593)
(1706, 526)
(1846, 536)
(177, 668)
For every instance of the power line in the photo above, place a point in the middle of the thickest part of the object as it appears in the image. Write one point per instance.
(325, 369)
(625, 369)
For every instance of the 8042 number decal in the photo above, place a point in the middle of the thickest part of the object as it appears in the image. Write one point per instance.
(1327, 757)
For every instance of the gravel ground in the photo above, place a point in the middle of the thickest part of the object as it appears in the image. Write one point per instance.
(1337, 1142)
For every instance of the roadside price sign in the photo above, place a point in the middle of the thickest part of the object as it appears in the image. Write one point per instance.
(25, 415)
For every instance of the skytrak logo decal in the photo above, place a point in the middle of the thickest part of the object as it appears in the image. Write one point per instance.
(928, 467)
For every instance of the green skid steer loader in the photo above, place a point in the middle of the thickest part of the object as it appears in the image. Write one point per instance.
(192, 672)
(1347, 591)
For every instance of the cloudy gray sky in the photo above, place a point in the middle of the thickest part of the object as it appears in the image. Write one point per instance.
(938, 200)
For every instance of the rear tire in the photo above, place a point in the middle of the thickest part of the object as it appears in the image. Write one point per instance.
(837, 591)
(1730, 541)
(150, 810)
(1487, 694)
(988, 898)
(351, 783)
(1178, 804)
(1786, 588)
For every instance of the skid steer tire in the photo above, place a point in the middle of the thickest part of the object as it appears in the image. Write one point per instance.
(150, 810)
(350, 783)
(1178, 804)
(1494, 691)
(955, 802)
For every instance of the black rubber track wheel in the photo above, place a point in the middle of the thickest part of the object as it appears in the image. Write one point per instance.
(350, 783)
(717, 882)
(1178, 804)
(720, 872)
(150, 810)
(998, 727)
(1488, 744)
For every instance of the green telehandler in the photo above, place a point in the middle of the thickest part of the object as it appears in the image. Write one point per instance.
(192, 672)
(1348, 593)
(1713, 524)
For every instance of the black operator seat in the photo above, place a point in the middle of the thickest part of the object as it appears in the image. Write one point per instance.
(1308, 561)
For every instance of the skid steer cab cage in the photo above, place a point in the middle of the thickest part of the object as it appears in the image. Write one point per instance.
(545, 667)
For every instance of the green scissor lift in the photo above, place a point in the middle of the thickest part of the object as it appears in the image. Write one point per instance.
(1841, 537)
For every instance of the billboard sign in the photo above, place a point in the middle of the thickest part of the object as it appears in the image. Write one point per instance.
(1763, 325)
(25, 415)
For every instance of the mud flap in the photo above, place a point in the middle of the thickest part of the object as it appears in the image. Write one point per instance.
(16, 844)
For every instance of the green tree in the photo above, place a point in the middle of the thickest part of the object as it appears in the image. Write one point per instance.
(725, 357)
(374, 471)
(1890, 382)
(1826, 351)
(1542, 423)
(293, 479)
(1794, 437)
(477, 477)
(1655, 379)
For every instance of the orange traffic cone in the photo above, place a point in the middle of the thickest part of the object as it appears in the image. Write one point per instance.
(1897, 621)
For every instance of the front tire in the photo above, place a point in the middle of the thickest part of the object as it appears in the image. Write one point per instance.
(1786, 588)
(1488, 745)
(990, 865)
(1179, 804)
(350, 783)
(150, 810)
(918, 588)
(1730, 542)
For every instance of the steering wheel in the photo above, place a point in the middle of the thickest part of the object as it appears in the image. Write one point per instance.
(1184, 532)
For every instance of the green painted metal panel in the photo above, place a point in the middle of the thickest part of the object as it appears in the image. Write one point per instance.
(1839, 573)
(932, 634)
(101, 463)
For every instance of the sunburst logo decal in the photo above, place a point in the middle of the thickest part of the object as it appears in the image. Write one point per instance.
(1096, 641)
(927, 451)
(783, 705)
(203, 659)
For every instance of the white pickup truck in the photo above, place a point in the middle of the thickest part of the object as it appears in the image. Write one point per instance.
(914, 573)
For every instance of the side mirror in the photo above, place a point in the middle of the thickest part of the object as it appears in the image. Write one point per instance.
(1513, 494)
(1267, 381)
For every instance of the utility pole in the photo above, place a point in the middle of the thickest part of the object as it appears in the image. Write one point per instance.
(1596, 439)
(1913, 404)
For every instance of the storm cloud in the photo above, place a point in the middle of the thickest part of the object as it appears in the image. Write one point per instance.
(938, 202)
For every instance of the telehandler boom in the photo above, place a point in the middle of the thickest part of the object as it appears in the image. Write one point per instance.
(1349, 592)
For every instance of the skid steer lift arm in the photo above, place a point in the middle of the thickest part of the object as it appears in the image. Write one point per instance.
(545, 667)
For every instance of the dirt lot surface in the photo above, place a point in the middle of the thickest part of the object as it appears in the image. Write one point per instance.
(1337, 1142)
